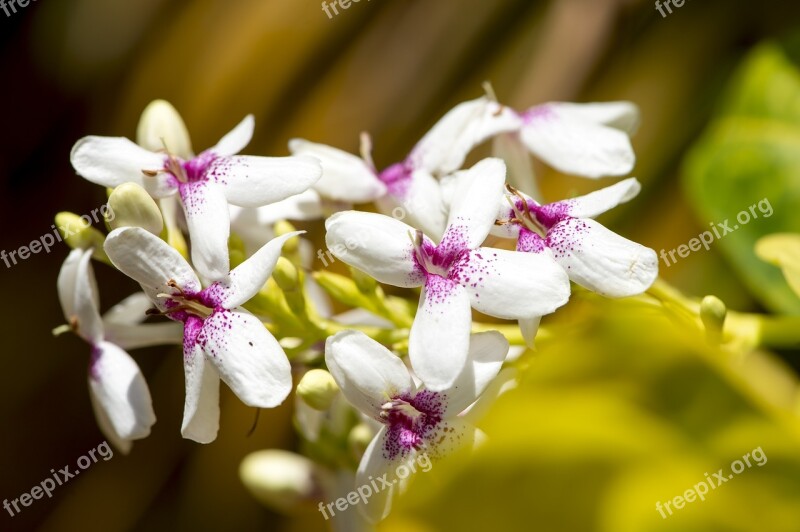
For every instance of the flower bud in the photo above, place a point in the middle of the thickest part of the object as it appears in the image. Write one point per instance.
(79, 234)
(133, 207)
(285, 274)
(359, 439)
(279, 479)
(318, 389)
(365, 283)
(283, 227)
(161, 127)
(712, 313)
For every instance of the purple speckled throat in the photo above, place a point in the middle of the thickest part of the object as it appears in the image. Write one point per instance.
(413, 421)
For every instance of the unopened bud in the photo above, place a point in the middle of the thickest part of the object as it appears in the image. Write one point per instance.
(279, 479)
(78, 233)
(161, 127)
(283, 227)
(285, 274)
(132, 206)
(712, 313)
(317, 389)
(359, 439)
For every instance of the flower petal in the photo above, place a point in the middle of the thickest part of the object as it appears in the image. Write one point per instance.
(439, 339)
(208, 220)
(443, 149)
(529, 327)
(374, 465)
(201, 406)
(77, 290)
(112, 161)
(236, 139)
(601, 260)
(130, 310)
(249, 181)
(512, 285)
(250, 276)
(473, 208)
(148, 260)
(575, 146)
(119, 390)
(136, 336)
(345, 177)
(520, 175)
(367, 373)
(619, 115)
(248, 358)
(375, 244)
(605, 199)
(487, 351)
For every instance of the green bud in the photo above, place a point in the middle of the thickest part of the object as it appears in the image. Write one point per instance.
(712, 313)
(280, 480)
(161, 127)
(285, 274)
(359, 439)
(364, 283)
(317, 389)
(131, 206)
(79, 234)
(283, 227)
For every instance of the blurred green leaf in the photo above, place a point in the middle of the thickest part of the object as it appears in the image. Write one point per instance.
(748, 161)
(620, 409)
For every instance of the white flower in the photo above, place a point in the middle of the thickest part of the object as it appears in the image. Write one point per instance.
(220, 339)
(456, 274)
(119, 393)
(206, 183)
(592, 255)
(412, 183)
(415, 420)
(589, 140)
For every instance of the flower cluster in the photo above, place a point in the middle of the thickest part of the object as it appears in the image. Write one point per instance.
(208, 240)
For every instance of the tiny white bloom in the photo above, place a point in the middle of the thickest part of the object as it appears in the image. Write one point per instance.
(220, 338)
(456, 274)
(415, 420)
(119, 394)
(411, 185)
(206, 183)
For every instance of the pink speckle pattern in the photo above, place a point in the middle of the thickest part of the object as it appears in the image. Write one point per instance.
(406, 432)
(437, 294)
(193, 196)
(530, 242)
(197, 167)
(567, 237)
(472, 272)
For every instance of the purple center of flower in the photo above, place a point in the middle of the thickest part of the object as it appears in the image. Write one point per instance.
(192, 171)
(397, 179)
(540, 112)
(442, 259)
(188, 306)
(412, 420)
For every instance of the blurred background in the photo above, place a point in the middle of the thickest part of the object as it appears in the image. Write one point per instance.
(392, 68)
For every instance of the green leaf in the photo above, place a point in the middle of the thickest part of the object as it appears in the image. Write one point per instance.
(746, 170)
